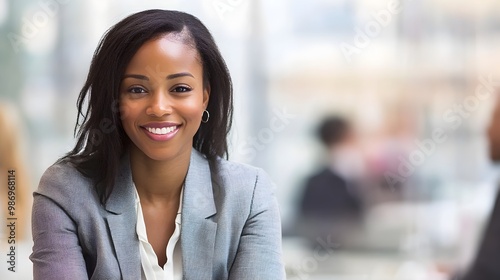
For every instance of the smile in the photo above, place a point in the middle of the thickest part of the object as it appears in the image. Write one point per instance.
(161, 131)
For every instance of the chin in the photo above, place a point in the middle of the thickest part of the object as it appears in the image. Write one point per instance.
(160, 156)
(165, 153)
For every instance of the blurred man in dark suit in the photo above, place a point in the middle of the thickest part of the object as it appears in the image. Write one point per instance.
(486, 266)
(330, 204)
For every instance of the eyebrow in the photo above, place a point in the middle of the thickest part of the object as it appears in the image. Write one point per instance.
(169, 77)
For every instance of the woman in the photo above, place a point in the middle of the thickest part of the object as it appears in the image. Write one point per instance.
(145, 193)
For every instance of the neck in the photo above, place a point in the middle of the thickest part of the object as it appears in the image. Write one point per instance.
(158, 181)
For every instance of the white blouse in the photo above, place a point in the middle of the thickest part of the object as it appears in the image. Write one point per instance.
(172, 270)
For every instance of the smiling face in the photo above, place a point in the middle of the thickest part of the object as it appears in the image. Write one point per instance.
(162, 98)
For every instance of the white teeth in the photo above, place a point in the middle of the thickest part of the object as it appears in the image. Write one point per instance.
(161, 131)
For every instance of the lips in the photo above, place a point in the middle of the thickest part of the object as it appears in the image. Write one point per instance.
(161, 131)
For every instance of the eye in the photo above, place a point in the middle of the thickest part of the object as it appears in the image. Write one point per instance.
(137, 90)
(181, 89)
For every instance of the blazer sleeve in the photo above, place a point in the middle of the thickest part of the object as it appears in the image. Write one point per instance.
(259, 254)
(56, 250)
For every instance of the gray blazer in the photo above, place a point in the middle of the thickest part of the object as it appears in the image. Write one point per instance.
(230, 225)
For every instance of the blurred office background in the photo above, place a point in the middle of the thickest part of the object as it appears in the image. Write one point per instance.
(415, 79)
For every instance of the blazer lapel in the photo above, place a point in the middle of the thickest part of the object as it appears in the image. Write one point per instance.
(197, 230)
(122, 223)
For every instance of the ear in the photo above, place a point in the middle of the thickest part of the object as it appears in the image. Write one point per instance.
(206, 96)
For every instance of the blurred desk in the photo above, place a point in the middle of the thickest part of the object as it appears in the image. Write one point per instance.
(399, 241)
(303, 262)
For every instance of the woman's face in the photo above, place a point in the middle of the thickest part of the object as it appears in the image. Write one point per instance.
(162, 98)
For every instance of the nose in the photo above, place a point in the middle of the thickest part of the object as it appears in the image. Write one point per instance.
(159, 104)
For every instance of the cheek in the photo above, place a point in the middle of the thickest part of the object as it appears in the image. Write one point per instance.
(127, 112)
(194, 108)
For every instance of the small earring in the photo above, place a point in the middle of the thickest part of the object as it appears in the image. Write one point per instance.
(207, 118)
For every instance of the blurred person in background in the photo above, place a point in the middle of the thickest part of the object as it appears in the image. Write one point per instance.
(14, 174)
(331, 206)
(485, 266)
(11, 159)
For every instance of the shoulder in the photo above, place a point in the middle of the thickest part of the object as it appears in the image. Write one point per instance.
(224, 171)
(241, 180)
(229, 169)
(65, 185)
(325, 174)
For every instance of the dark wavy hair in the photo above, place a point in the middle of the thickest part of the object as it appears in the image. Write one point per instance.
(101, 139)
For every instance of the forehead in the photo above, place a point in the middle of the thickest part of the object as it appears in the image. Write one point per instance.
(169, 52)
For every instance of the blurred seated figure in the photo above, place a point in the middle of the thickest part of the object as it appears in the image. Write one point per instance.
(14, 235)
(330, 206)
(485, 266)
(11, 160)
